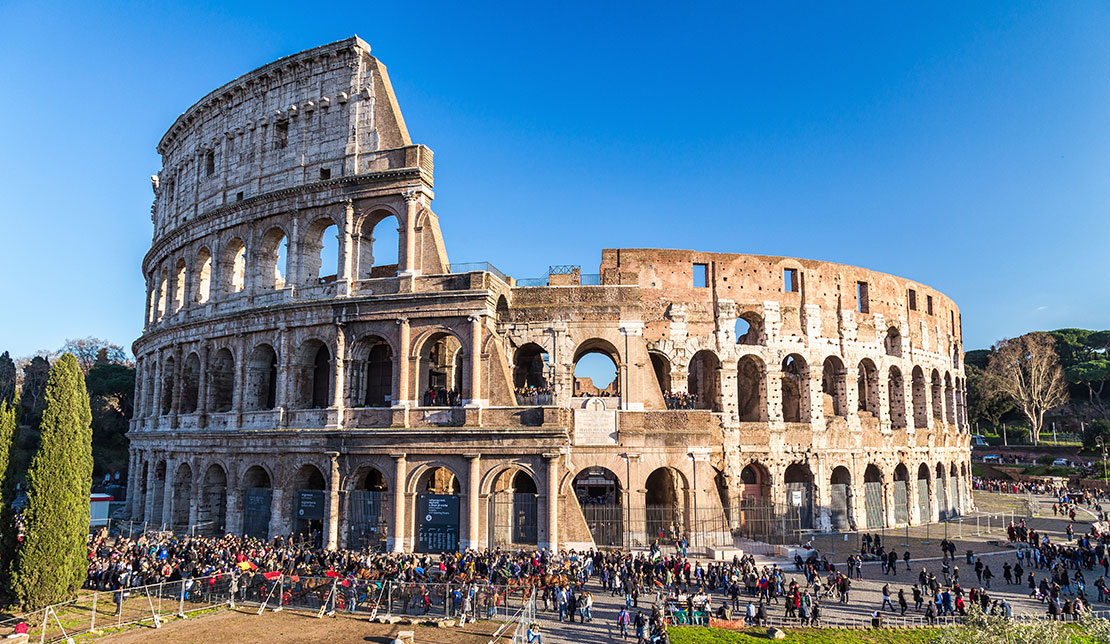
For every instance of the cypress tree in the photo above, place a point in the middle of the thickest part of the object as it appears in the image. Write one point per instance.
(8, 433)
(51, 563)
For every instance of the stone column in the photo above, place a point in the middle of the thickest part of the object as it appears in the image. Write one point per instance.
(412, 205)
(401, 396)
(475, 362)
(167, 493)
(278, 524)
(149, 500)
(233, 512)
(195, 495)
(333, 503)
(816, 398)
(398, 527)
(240, 380)
(473, 505)
(911, 497)
(175, 395)
(293, 263)
(337, 396)
(131, 468)
(282, 391)
(552, 501)
(202, 387)
(346, 248)
(628, 391)
(156, 408)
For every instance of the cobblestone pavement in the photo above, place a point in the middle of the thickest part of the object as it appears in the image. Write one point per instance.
(866, 594)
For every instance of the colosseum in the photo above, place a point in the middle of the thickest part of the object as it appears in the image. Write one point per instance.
(313, 364)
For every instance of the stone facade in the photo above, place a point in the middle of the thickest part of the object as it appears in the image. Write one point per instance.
(276, 395)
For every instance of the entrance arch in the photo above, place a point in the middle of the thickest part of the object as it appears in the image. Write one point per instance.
(924, 507)
(182, 496)
(513, 510)
(437, 511)
(531, 367)
(441, 371)
(212, 513)
(368, 511)
(756, 510)
(867, 387)
(795, 389)
(798, 483)
(661, 366)
(834, 385)
(159, 494)
(840, 498)
(665, 505)
(257, 498)
(901, 493)
(874, 505)
(599, 494)
(308, 505)
(896, 394)
(751, 379)
(705, 380)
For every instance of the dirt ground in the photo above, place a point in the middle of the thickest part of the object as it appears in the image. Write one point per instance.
(245, 627)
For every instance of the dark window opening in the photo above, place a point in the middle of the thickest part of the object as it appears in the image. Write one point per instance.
(325, 174)
(862, 304)
(281, 135)
(701, 275)
(239, 196)
(209, 163)
(913, 300)
(929, 303)
(790, 280)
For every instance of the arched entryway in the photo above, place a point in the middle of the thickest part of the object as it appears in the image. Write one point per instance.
(441, 371)
(309, 503)
(834, 386)
(530, 375)
(599, 493)
(874, 505)
(368, 511)
(924, 508)
(437, 511)
(212, 512)
(665, 519)
(795, 389)
(901, 493)
(704, 380)
(751, 389)
(798, 484)
(257, 498)
(840, 498)
(182, 495)
(757, 519)
(595, 369)
(513, 510)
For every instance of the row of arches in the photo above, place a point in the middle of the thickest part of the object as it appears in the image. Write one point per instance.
(280, 257)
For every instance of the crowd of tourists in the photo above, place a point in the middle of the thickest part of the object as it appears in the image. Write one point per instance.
(442, 397)
(1017, 487)
(680, 400)
(531, 395)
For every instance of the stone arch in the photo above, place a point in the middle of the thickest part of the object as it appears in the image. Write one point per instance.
(368, 509)
(867, 385)
(798, 485)
(936, 394)
(431, 483)
(586, 386)
(379, 244)
(705, 380)
(312, 375)
(203, 267)
(840, 498)
(920, 406)
(212, 509)
(190, 383)
(258, 488)
(751, 389)
(513, 509)
(896, 398)
(234, 260)
(180, 285)
(261, 381)
(749, 329)
(874, 501)
(308, 502)
(163, 293)
(182, 495)
(665, 505)
(530, 367)
(441, 369)
(600, 494)
(272, 271)
(371, 374)
(755, 485)
(893, 342)
(168, 383)
(661, 367)
(795, 389)
(949, 400)
(321, 236)
(221, 381)
(834, 386)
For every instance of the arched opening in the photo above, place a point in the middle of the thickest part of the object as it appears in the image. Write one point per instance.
(937, 396)
(378, 245)
(513, 510)
(874, 504)
(949, 400)
(204, 276)
(924, 509)
(867, 386)
(163, 294)
(501, 315)
(167, 386)
(942, 492)
(320, 253)
(182, 494)
(920, 407)
(312, 375)
(795, 389)
(530, 372)
(179, 286)
(751, 388)
(901, 494)
(190, 384)
(257, 499)
(840, 498)
(834, 386)
(441, 371)
(757, 519)
(749, 328)
(437, 511)
(379, 376)
(273, 260)
(261, 385)
(221, 384)
(159, 494)
(704, 380)
(368, 521)
(598, 491)
(308, 506)
(665, 501)
(235, 264)
(896, 395)
(595, 369)
(212, 511)
(893, 342)
(661, 367)
(798, 484)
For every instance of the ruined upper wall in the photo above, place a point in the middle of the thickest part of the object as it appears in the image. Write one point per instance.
(320, 114)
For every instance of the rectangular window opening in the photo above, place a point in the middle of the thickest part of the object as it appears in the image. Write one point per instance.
(862, 305)
(913, 300)
(209, 163)
(238, 196)
(325, 174)
(929, 304)
(701, 275)
(281, 135)
(790, 280)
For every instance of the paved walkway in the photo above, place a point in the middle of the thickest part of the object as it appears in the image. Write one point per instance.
(866, 594)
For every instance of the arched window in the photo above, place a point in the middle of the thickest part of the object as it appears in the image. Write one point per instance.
(167, 386)
(893, 342)
(179, 286)
(190, 382)
(749, 328)
(221, 386)
(949, 400)
(163, 294)
(661, 366)
(379, 376)
(795, 389)
(896, 392)
(273, 260)
(937, 395)
(751, 385)
(320, 253)
(441, 371)
(704, 380)
(261, 392)
(834, 386)
(204, 276)
(321, 378)
(378, 245)
(235, 263)
(595, 369)
(920, 405)
(530, 372)
(867, 385)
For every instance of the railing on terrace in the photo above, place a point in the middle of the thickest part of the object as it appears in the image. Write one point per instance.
(470, 267)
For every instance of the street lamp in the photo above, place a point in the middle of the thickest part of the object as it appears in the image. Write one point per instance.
(1101, 443)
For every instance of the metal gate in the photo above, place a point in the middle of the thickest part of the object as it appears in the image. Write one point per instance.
(256, 511)
(799, 503)
(923, 501)
(664, 523)
(873, 504)
(901, 501)
(513, 519)
(606, 524)
(962, 489)
(369, 520)
(942, 498)
(838, 506)
(953, 497)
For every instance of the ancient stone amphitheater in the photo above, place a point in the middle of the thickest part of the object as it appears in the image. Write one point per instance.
(312, 363)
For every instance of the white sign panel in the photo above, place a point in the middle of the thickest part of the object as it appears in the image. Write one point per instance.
(595, 426)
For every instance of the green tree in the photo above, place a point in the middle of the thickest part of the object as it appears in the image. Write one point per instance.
(7, 378)
(51, 562)
(35, 374)
(1085, 356)
(984, 403)
(1095, 430)
(9, 428)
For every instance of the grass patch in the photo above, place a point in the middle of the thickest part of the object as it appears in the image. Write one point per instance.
(703, 635)
(1048, 470)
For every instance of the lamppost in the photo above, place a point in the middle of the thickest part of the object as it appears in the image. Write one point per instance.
(1102, 444)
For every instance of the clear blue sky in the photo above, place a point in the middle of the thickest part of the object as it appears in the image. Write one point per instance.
(966, 147)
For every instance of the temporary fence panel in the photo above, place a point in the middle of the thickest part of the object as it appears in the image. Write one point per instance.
(799, 502)
(925, 514)
(942, 498)
(838, 506)
(901, 501)
(873, 504)
(369, 519)
(606, 524)
(256, 511)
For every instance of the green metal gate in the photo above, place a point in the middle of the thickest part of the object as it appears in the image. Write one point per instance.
(873, 504)
(901, 501)
(838, 506)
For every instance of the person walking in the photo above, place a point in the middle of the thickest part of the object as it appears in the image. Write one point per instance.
(902, 600)
(622, 622)
(886, 598)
